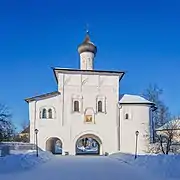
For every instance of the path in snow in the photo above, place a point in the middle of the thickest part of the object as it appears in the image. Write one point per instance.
(80, 168)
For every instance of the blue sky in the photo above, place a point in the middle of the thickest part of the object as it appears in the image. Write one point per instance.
(139, 37)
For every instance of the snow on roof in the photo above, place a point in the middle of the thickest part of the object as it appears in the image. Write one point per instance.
(26, 130)
(134, 99)
(173, 124)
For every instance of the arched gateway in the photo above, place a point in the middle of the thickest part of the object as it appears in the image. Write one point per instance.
(88, 144)
(54, 145)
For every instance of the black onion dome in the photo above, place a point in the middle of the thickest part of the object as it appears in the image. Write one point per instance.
(87, 46)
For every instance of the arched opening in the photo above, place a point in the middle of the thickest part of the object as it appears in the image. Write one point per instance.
(76, 106)
(50, 115)
(126, 116)
(100, 106)
(54, 145)
(44, 115)
(88, 144)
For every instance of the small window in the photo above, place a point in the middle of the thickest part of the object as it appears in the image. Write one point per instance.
(126, 116)
(40, 114)
(76, 106)
(50, 114)
(99, 106)
(44, 114)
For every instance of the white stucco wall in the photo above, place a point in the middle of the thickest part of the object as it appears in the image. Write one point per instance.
(139, 120)
(47, 127)
(114, 131)
(89, 87)
(68, 125)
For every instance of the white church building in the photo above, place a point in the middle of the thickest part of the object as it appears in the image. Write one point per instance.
(87, 114)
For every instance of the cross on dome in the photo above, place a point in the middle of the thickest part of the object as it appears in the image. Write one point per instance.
(87, 37)
(87, 45)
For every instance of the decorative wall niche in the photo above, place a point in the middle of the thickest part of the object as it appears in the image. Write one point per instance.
(89, 115)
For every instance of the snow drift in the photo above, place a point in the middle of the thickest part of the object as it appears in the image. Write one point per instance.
(164, 166)
(20, 162)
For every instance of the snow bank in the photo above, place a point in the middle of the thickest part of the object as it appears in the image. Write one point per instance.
(22, 161)
(164, 166)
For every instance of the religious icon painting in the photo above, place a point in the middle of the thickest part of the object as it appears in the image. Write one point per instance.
(88, 118)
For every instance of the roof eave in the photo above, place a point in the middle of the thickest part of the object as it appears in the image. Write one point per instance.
(55, 69)
(40, 97)
(123, 73)
(55, 73)
(140, 103)
(75, 71)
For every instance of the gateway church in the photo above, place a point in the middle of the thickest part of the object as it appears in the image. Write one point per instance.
(87, 114)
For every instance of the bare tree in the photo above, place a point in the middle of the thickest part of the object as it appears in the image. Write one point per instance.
(6, 126)
(161, 115)
(168, 138)
(23, 136)
(24, 124)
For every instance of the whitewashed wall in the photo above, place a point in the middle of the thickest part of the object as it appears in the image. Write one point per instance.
(47, 127)
(139, 120)
(115, 132)
(69, 126)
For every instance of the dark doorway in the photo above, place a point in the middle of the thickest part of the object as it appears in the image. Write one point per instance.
(54, 145)
(88, 145)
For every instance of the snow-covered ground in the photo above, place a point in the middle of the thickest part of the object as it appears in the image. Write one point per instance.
(164, 166)
(117, 167)
(21, 161)
(78, 168)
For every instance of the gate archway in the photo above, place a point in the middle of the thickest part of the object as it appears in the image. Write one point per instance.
(88, 144)
(54, 145)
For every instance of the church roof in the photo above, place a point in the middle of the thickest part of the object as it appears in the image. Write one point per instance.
(134, 99)
(87, 45)
(57, 70)
(43, 96)
(26, 130)
(172, 124)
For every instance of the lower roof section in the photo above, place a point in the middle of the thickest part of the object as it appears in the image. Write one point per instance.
(134, 99)
(43, 96)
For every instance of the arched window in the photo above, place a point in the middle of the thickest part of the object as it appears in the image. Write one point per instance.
(126, 116)
(99, 106)
(44, 115)
(50, 116)
(40, 114)
(76, 106)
